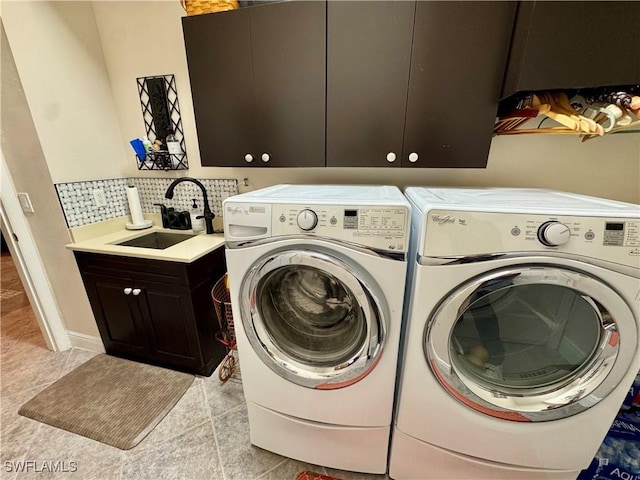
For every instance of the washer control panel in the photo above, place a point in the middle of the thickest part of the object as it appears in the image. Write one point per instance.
(379, 227)
(456, 233)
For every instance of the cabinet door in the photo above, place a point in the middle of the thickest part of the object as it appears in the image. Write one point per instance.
(288, 43)
(457, 66)
(117, 314)
(368, 55)
(219, 57)
(168, 311)
(566, 45)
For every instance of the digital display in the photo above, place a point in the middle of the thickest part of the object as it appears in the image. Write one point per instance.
(614, 226)
(350, 213)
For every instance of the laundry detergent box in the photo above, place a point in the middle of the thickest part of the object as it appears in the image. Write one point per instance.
(618, 458)
(632, 400)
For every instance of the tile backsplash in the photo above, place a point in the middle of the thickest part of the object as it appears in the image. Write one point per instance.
(79, 204)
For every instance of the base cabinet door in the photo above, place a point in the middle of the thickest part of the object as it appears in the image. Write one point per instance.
(168, 313)
(117, 314)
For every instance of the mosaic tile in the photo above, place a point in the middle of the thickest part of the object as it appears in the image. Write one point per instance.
(152, 191)
(78, 204)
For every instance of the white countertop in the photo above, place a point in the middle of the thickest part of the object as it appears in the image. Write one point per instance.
(104, 237)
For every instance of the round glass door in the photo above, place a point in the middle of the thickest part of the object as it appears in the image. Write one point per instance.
(534, 343)
(312, 319)
(525, 336)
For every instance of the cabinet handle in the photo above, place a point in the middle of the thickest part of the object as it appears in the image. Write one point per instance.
(413, 157)
(391, 157)
(265, 157)
(128, 290)
(248, 157)
(136, 291)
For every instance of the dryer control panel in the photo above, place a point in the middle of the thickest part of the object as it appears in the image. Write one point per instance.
(379, 227)
(451, 233)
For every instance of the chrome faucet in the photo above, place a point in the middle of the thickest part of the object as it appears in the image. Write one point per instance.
(207, 214)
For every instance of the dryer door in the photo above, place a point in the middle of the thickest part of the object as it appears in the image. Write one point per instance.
(531, 343)
(313, 318)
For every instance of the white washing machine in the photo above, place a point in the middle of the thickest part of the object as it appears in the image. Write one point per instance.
(522, 332)
(317, 277)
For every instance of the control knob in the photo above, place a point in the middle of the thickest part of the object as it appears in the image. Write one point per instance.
(553, 233)
(307, 219)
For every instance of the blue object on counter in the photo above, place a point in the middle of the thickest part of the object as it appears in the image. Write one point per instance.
(138, 147)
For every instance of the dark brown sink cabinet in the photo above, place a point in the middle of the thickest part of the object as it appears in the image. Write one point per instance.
(414, 84)
(156, 311)
(258, 84)
(573, 45)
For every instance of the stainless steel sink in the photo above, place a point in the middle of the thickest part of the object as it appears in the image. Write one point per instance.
(157, 240)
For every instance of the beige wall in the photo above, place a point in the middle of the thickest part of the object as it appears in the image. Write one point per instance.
(29, 172)
(607, 167)
(59, 57)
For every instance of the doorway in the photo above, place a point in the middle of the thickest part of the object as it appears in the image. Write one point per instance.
(18, 323)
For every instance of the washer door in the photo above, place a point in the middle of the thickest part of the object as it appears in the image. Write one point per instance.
(313, 319)
(532, 343)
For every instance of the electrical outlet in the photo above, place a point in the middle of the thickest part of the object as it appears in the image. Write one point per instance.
(99, 198)
(25, 202)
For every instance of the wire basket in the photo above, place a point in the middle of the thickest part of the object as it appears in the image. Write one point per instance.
(227, 334)
(198, 7)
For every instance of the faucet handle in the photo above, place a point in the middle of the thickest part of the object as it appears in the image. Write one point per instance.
(208, 216)
(164, 214)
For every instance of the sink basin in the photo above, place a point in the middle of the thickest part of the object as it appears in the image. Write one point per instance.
(157, 240)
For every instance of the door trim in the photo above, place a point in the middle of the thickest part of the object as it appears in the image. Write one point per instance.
(29, 265)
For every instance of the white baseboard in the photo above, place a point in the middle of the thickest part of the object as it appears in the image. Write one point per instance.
(86, 342)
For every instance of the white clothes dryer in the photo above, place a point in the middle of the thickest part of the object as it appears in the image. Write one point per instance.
(317, 277)
(522, 332)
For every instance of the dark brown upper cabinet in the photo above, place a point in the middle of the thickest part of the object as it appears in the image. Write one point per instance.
(573, 45)
(458, 62)
(380, 83)
(258, 84)
(368, 57)
(414, 84)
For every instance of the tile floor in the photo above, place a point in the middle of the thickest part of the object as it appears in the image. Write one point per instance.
(206, 435)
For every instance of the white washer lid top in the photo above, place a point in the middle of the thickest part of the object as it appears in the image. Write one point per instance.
(327, 194)
(527, 200)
